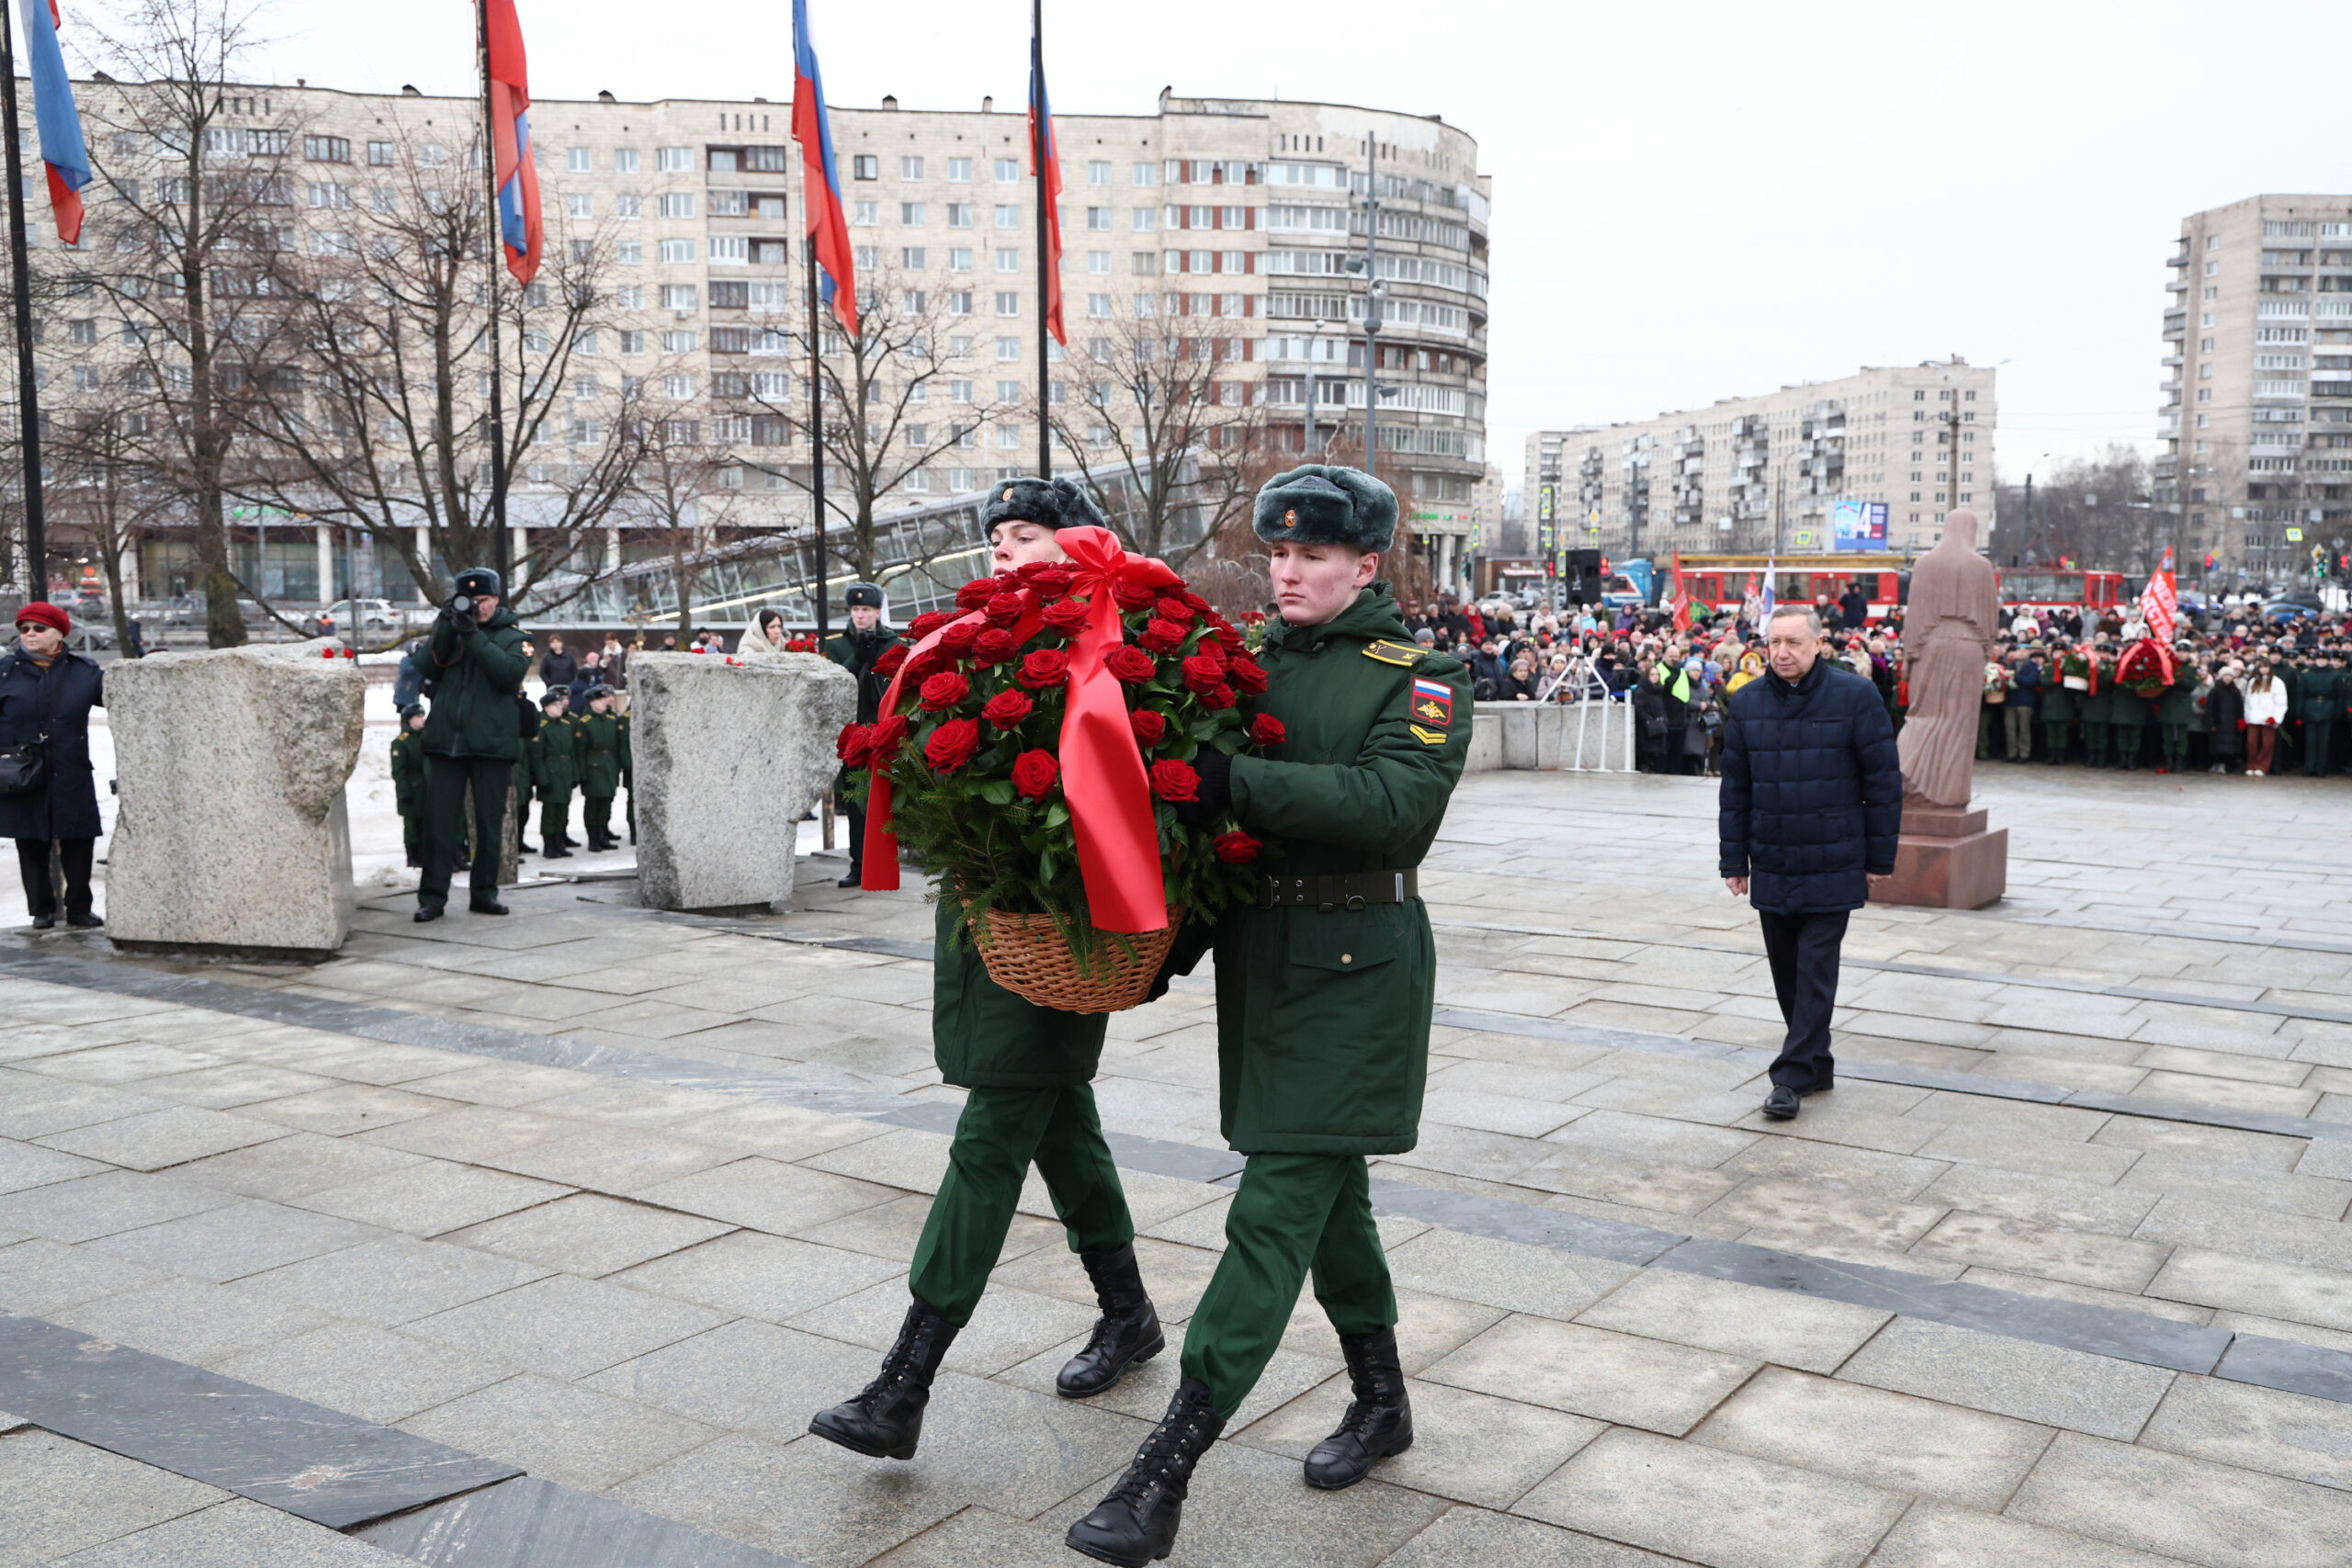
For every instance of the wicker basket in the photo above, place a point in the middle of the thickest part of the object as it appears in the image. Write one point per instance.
(1028, 955)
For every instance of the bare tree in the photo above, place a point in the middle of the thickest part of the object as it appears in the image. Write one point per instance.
(98, 481)
(2096, 511)
(680, 492)
(1160, 426)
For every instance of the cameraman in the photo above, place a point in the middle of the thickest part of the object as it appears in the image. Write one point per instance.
(473, 735)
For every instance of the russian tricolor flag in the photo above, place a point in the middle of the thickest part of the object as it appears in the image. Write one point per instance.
(62, 147)
(517, 177)
(1046, 158)
(819, 181)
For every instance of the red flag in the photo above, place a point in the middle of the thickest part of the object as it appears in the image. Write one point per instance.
(2159, 606)
(1044, 156)
(820, 191)
(514, 174)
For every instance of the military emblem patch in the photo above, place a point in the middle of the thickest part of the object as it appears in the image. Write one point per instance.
(1290, 519)
(1391, 652)
(1008, 493)
(1432, 704)
(1428, 736)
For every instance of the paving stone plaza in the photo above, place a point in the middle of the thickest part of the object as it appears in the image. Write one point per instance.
(536, 1241)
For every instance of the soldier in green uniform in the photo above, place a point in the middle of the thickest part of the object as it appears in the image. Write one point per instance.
(2098, 708)
(408, 780)
(856, 651)
(1028, 1072)
(555, 772)
(2319, 698)
(2127, 724)
(2061, 704)
(1323, 995)
(603, 763)
(2176, 711)
(472, 737)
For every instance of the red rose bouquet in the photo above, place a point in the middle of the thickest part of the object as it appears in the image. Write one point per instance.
(998, 745)
(2146, 667)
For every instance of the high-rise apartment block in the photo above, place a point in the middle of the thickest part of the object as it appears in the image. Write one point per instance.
(1763, 474)
(2257, 423)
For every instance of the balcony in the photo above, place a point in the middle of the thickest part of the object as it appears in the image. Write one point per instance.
(2176, 321)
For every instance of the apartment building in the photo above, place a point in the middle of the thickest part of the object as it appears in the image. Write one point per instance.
(1223, 228)
(2256, 427)
(1759, 474)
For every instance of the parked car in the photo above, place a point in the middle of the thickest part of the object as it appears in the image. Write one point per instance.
(88, 637)
(378, 619)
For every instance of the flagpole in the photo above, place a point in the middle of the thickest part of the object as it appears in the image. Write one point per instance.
(817, 445)
(493, 253)
(27, 382)
(1038, 136)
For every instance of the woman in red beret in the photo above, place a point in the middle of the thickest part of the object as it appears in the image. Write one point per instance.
(47, 795)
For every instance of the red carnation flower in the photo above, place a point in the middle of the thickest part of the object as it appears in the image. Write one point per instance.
(1171, 780)
(1162, 636)
(1045, 667)
(959, 637)
(853, 745)
(1248, 674)
(892, 657)
(1033, 774)
(1008, 708)
(1218, 696)
(1006, 608)
(1132, 665)
(1149, 726)
(884, 740)
(1131, 596)
(1176, 610)
(952, 744)
(1267, 730)
(945, 690)
(975, 593)
(1067, 617)
(994, 646)
(929, 621)
(1235, 849)
(1049, 580)
(1203, 673)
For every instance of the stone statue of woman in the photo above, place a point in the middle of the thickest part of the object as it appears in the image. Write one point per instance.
(1948, 631)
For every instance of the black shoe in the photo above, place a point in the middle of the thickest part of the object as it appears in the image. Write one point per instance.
(524, 850)
(84, 922)
(1136, 1523)
(1781, 1105)
(428, 912)
(491, 908)
(1127, 1332)
(885, 1420)
(1824, 1080)
(557, 854)
(1379, 1422)
(852, 880)
(43, 922)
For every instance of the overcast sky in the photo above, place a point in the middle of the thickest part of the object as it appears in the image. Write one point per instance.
(1690, 201)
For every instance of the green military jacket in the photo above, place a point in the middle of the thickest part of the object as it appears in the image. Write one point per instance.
(2127, 708)
(408, 770)
(982, 1036)
(555, 755)
(2178, 702)
(2319, 695)
(856, 652)
(1323, 1017)
(605, 761)
(475, 681)
(2058, 702)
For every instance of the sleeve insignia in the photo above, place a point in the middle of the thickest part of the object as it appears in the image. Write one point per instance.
(1432, 703)
(1428, 736)
(1391, 653)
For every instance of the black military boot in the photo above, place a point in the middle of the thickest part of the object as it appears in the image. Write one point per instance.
(884, 1421)
(1379, 1422)
(1136, 1523)
(1126, 1333)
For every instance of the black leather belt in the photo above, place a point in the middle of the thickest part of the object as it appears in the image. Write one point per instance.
(1351, 890)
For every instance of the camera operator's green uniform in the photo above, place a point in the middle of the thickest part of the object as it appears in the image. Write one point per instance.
(472, 736)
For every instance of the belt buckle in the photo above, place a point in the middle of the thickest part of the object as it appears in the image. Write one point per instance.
(1354, 903)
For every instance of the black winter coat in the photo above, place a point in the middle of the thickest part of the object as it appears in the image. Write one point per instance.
(2225, 717)
(56, 702)
(1812, 798)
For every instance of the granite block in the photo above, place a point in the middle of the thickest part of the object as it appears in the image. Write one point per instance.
(1611, 1377)
(2186, 1508)
(2011, 1377)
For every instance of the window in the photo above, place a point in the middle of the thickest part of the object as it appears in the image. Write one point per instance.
(1097, 261)
(631, 342)
(678, 342)
(1008, 303)
(911, 257)
(866, 214)
(329, 195)
(624, 161)
(680, 296)
(866, 166)
(1008, 348)
(959, 348)
(1008, 214)
(674, 160)
(1008, 261)
(960, 170)
(959, 302)
(959, 215)
(579, 160)
(84, 331)
(629, 253)
(327, 149)
(629, 206)
(677, 203)
(911, 301)
(729, 203)
(1098, 304)
(431, 154)
(959, 258)
(629, 296)
(1146, 263)
(1098, 219)
(730, 250)
(1008, 392)
(1147, 175)
(2211, 292)
(910, 168)
(578, 205)
(910, 213)
(1008, 170)
(959, 391)
(866, 258)
(1145, 219)
(379, 154)
(1008, 437)
(677, 250)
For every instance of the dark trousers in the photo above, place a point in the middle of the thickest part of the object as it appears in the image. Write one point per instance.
(445, 832)
(999, 1135)
(1803, 954)
(596, 816)
(41, 892)
(555, 817)
(2319, 740)
(856, 815)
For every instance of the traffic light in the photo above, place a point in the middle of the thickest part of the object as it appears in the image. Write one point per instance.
(1585, 577)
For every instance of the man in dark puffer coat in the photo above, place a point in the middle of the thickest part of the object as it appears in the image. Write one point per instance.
(1812, 804)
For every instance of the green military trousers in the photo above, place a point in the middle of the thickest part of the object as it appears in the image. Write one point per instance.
(1000, 1133)
(596, 816)
(2175, 738)
(2053, 738)
(2319, 738)
(555, 819)
(1293, 1212)
(2094, 741)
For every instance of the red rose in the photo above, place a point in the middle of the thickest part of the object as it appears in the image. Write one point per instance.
(1148, 726)
(892, 657)
(1203, 673)
(1006, 608)
(1267, 730)
(1045, 667)
(959, 637)
(1049, 580)
(1067, 617)
(1248, 674)
(1033, 774)
(1218, 696)
(929, 621)
(923, 666)
(853, 745)
(1162, 636)
(1175, 610)
(1131, 596)
(1171, 780)
(1132, 665)
(884, 740)
(975, 593)
(1008, 708)
(952, 744)
(945, 690)
(1196, 602)
(994, 646)
(1235, 849)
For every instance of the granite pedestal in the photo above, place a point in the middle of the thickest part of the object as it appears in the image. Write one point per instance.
(1946, 860)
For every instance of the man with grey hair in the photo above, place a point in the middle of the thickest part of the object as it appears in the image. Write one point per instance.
(1811, 805)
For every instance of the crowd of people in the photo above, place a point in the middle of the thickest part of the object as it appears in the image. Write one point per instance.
(2236, 696)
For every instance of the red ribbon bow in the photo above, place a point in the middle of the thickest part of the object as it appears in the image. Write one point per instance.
(1103, 773)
